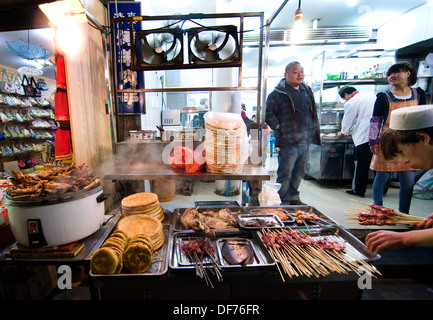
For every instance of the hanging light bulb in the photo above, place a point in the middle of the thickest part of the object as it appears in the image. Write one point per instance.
(298, 32)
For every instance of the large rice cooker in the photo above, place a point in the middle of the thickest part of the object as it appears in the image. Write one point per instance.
(54, 221)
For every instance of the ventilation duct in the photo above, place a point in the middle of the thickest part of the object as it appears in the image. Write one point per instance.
(337, 35)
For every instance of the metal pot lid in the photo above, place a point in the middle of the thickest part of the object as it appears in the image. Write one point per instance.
(8, 200)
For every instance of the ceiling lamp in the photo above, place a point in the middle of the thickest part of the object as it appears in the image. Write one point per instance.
(299, 32)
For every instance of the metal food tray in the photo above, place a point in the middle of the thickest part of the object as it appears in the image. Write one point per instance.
(160, 260)
(257, 210)
(178, 226)
(353, 244)
(262, 258)
(183, 260)
(324, 219)
(262, 255)
(272, 218)
(230, 203)
(341, 235)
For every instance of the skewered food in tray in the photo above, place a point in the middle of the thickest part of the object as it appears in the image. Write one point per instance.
(379, 215)
(197, 252)
(237, 252)
(300, 216)
(199, 248)
(300, 254)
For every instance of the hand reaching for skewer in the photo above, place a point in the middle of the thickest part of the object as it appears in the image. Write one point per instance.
(384, 239)
(426, 223)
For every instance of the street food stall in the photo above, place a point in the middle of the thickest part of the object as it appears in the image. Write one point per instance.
(138, 246)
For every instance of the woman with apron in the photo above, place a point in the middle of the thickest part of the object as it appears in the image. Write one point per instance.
(401, 77)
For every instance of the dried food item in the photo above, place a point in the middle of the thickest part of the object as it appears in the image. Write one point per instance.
(104, 261)
(208, 220)
(140, 199)
(145, 203)
(237, 252)
(135, 225)
(109, 258)
(139, 254)
(226, 142)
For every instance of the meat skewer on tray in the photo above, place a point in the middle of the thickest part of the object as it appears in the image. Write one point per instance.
(196, 251)
(380, 215)
(300, 254)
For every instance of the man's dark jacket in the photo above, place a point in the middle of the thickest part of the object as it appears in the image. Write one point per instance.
(280, 116)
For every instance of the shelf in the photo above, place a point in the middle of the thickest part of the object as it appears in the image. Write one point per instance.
(334, 83)
(186, 89)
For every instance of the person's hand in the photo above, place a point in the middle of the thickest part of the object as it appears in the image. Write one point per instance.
(374, 148)
(340, 135)
(384, 239)
(426, 223)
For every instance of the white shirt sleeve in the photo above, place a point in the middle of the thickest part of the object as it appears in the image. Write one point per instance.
(349, 118)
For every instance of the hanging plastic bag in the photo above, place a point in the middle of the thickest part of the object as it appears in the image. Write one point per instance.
(184, 157)
(423, 188)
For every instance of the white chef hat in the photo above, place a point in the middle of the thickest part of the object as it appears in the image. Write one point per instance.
(412, 118)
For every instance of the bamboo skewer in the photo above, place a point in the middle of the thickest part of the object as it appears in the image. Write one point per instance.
(379, 217)
(313, 260)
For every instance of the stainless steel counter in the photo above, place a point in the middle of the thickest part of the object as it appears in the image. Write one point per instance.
(251, 174)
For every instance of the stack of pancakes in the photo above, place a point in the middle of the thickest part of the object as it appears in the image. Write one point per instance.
(132, 245)
(145, 203)
(139, 254)
(225, 144)
(109, 258)
(136, 225)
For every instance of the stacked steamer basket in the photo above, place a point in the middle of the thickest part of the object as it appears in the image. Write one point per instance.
(142, 203)
(225, 142)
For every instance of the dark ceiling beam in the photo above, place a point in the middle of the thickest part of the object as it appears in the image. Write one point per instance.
(22, 15)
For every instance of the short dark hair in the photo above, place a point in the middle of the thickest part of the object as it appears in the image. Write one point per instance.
(346, 89)
(390, 138)
(404, 66)
(286, 70)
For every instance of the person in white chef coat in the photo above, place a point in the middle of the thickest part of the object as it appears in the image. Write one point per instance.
(356, 123)
(409, 137)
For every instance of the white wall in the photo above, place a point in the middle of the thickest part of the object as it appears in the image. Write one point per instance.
(409, 28)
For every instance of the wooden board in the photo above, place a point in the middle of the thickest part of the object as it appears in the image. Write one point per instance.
(66, 251)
